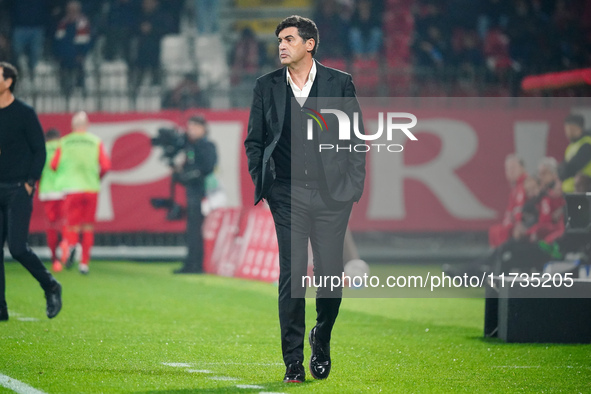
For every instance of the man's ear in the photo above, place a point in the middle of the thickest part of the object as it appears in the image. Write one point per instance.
(310, 43)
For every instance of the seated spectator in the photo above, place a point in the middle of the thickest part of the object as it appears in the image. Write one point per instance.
(496, 50)
(120, 21)
(577, 158)
(28, 36)
(246, 58)
(72, 43)
(149, 30)
(516, 175)
(430, 52)
(365, 32)
(330, 22)
(187, 94)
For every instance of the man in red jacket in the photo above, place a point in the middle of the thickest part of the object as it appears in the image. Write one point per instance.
(516, 175)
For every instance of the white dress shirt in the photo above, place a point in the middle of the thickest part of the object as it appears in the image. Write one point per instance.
(302, 94)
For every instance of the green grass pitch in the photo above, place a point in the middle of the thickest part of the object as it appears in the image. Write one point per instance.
(121, 325)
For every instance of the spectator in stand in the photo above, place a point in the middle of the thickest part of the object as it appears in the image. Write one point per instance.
(430, 52)
(72, 43)
(330, 22)
(28, 36)
(522, 28)
(151, 27)
(81, 162)
(365, 32)
(120, 22)
(187, 94)
(207, 16)
(516, 175)
(577, 158)
(496, 51)
(247, 58)
(52, 198)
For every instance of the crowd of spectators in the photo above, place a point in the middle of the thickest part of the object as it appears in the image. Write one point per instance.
(502, 37)
(497, 39)
(65, 31)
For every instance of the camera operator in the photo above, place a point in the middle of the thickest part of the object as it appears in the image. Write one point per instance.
(200, 160)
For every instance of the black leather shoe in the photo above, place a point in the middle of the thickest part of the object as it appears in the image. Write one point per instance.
(54, 300)
(295, 373)
(3, 313)
(320, 358)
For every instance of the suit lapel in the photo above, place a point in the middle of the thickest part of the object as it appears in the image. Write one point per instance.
(325, 87)
(279, 96)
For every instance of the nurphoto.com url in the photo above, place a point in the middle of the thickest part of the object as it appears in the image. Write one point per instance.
(440, 281)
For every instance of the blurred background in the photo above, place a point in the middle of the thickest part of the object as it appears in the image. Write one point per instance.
(139, 65)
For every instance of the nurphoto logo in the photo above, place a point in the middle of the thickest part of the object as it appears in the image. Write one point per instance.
(345, 130)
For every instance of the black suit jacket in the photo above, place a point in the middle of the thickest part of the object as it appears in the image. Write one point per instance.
(344, 171)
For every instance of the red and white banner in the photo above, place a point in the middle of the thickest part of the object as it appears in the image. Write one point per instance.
(451, 179)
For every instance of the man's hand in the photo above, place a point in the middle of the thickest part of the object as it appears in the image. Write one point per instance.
(29, 188)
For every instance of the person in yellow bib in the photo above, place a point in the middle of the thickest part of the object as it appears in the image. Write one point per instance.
(577, 157)
(52, 198)
(81, 161)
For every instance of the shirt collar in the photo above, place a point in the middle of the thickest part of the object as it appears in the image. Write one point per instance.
(311, 76)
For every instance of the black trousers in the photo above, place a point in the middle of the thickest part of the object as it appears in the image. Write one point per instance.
(16, 207)
(303, 215)
(194, 234)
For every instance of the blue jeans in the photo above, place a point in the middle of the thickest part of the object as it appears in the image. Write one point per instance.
(207, 15)
(361, 45)
(31, 38)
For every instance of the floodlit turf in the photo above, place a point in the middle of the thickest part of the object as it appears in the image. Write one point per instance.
(123, 322)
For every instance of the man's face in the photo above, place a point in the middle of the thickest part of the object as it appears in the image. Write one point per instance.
(4, 84)
(195, 131)
(513, 170)
(292, 47)
(572, 131)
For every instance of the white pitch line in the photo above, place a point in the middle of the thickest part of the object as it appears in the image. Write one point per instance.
(178, 365)
(249, 386)
(199, 371)
(17, 386)
(226, 363)
(222, 378)
(516, 366)
(26, 319)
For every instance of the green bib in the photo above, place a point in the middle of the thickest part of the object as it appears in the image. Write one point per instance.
(79, 167)
(48, 183)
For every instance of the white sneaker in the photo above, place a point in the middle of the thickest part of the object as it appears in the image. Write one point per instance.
(84, 269)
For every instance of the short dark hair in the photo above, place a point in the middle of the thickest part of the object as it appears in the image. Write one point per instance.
(576, 120)
(306, 29)
(52, 134)
(9, 72)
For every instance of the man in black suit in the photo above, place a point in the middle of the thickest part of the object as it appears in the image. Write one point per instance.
(310, 191)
